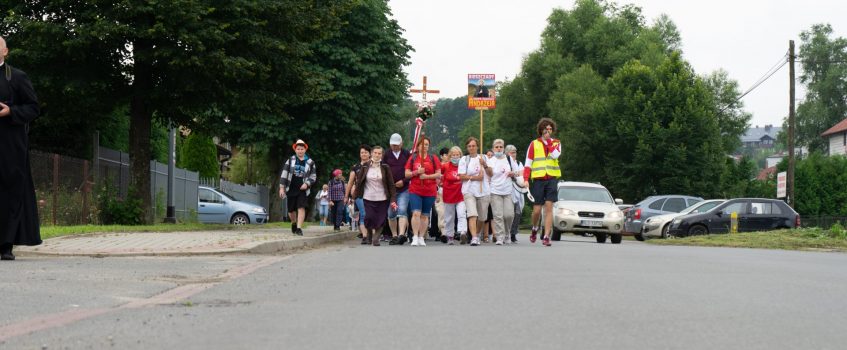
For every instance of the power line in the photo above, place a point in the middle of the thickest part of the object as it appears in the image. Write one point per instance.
(775, 68)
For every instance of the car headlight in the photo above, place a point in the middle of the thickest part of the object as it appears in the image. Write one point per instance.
(259, 210)
(615, 215)
(566, 212)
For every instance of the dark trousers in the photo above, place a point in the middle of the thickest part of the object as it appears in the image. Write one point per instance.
(336, 213)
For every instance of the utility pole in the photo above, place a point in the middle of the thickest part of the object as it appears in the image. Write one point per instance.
(791, 159)
(170, 217)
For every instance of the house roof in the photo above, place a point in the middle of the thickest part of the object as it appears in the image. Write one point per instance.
(766, 172)
(842, 126)
(757, 133)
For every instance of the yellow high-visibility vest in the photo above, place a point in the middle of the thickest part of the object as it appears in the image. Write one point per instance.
(542, 164)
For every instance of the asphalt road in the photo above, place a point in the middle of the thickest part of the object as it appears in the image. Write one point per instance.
(575, 295)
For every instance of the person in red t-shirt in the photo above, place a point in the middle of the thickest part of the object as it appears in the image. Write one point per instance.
(424, 170)
(454, 201)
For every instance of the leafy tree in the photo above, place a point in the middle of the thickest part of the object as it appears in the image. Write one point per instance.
(450, 117)
(199, 153)
(193, 62)
(250, 165)
(732, 119)
(824, 71)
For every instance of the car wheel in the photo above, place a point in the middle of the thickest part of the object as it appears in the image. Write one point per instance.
(639, 237)
(698, 230)
(601, 237)
(616, 239)
(239, 219)
(666, 232)
(557, 235)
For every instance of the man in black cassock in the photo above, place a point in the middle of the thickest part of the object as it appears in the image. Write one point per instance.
(19, 223)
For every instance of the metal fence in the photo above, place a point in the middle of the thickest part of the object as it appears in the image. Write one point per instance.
(824, 222)
(63, 189)
(185, 191)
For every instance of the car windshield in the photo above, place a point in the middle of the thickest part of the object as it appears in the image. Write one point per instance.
(585, 194)
(701, 207)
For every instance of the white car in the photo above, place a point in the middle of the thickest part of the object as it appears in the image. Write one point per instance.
(584, 207)
(657, 226)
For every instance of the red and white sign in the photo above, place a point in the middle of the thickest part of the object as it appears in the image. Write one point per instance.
(781, 184)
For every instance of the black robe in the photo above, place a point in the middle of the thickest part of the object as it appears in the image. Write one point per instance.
(19, 223)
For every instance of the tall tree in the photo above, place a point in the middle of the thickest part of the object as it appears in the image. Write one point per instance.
(824, 71)
(186, 61)
(728, 108)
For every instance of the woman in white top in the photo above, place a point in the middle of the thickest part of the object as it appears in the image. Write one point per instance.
(323, 197)
(503, 169)
(474, 173)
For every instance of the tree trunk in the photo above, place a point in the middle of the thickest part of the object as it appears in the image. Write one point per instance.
(275, 160)
(141, 115)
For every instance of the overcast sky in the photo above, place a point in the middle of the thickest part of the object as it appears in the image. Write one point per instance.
(744, 37)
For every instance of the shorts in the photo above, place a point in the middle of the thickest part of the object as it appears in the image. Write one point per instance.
(402, 206)
(421, 204)
(477, 206)
(544, 191)
(324, 209)
(297, 201)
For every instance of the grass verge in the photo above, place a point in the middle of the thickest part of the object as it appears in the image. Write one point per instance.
(57, 231)
(800, 239)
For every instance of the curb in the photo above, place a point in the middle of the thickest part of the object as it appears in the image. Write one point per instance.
(271, 247)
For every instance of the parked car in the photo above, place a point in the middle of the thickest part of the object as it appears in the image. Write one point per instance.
(584, 207)
(655, 205)
(217, 207)
(657, 226)
(754, 214)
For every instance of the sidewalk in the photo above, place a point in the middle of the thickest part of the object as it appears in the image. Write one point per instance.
(261, 241)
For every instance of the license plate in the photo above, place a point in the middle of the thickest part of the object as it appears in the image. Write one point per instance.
(591, 223)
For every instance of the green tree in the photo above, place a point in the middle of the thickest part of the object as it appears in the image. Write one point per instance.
(824, 71)
(193, 62)
(728, 108)
(199, 153)
(250, 165)
(819, 183)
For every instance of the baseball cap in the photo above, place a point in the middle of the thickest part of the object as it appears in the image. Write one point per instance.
(396, 139)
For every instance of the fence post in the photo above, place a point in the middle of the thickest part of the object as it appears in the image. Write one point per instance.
(55, 185)
(85, 190)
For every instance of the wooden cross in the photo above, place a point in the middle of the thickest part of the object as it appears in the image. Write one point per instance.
(424, 91)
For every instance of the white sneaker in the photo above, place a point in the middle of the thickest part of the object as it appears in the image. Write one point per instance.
(475, 241)
(499, 242)
(422, 242)
(414, 241)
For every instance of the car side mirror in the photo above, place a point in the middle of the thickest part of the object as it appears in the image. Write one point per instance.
(720, 213)
(618, 201)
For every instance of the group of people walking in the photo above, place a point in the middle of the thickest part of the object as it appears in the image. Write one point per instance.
(401, 189)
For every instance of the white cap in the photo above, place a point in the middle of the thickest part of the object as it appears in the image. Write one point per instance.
(396, 139)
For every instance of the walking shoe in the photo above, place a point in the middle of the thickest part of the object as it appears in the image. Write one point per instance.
(444, 238)
(7, 256)
(294, 228)
(393, 241)
(365, 241)
(402, 239)
(494, 238)
(514, 238)
(475, 241)
(376, 243)
(299, 231)
(463, 238)
(414, 241)
(422, 242)
(499, 243)
(533, 235)
(450, 240)
(546, 241)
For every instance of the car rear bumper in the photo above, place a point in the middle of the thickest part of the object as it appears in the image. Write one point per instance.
(633, 226)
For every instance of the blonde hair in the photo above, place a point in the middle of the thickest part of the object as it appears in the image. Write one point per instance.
(455, 149)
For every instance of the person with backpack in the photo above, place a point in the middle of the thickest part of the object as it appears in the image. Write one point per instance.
(423, 170)
(474, 172)
(298, 175)
(504, 169)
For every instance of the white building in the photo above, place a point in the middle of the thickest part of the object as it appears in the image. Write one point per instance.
(837, 136)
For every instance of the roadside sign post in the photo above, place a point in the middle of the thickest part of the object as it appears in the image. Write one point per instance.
(482, 96)
(781, 182)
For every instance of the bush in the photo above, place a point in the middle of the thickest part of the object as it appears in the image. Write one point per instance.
(115, 210)
(838, 231)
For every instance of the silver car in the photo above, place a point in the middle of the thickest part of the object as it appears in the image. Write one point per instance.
(216, 207)
(584, 207)
(657, 226)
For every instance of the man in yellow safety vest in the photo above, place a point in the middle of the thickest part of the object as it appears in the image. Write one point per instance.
(542, 167)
